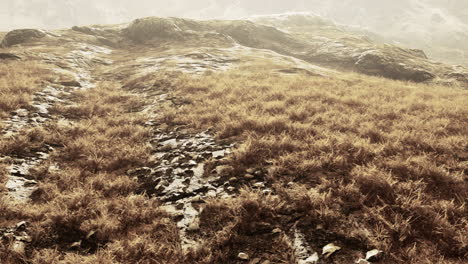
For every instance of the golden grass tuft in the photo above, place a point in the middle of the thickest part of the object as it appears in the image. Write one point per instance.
(242, 224)
(18, 81)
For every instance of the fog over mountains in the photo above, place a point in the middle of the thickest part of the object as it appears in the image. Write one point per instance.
(374, 14)
(440, 27)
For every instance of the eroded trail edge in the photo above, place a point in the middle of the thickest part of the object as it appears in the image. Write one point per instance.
(77, 63)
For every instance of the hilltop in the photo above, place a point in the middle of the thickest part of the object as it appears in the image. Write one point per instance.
(437, 26)
(273, 139)
(303, 36)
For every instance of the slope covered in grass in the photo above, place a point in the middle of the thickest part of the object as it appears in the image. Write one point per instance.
(308, 154)
(18, 81)
(377, 163)
(89, 199)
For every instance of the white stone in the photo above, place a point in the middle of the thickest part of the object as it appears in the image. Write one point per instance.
(243, 256)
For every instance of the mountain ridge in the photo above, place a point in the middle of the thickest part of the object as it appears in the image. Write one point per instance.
(436, 26)
(304, 36)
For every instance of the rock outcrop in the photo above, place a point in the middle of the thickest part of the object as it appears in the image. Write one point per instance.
(20, 36)
(146, 29)
(375, 62)
(331, 45)
(87, 30)
(260, 36)
(9, 56)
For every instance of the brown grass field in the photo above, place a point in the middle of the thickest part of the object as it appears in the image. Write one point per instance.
(379, 161)
(363, 161)
(18, 81)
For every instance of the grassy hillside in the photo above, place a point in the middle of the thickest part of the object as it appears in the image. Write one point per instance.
(378, 163)
(18, 81)
(191, 148)
(90, 199)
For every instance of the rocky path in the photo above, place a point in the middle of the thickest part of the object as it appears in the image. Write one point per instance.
(190, 168)
(20, 184)
(76, 63)
(179, 176)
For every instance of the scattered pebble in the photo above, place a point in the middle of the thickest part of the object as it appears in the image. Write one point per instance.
(276, 231)
(259, 185)
(255, 261)
(19, 247)
(21, 226)
(329, 249)
(249, 176)
(75, 245)
(243, 256)
(373, 254)
(194, 226)
(250, 171)
(310, 260)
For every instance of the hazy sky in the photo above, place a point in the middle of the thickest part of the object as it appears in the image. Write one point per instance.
(66, 13)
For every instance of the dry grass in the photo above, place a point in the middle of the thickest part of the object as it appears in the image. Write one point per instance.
(362, 162)
(376, 163)
(18, 81)
(243, 224)
(3, 176)
(90, 199)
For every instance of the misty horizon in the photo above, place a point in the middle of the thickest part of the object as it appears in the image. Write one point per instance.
(49, 14)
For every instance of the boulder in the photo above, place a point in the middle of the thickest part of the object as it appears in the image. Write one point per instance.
(461, 76)
(71, 83)
(379, 63)
(20, 36)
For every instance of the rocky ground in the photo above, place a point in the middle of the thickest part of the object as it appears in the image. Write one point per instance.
(38, 113)
(188, 167)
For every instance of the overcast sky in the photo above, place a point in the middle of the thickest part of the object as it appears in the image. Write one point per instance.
(66, 13)
(52, 14)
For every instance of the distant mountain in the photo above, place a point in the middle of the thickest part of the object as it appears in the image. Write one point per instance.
(439, 27)
(307, 37)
